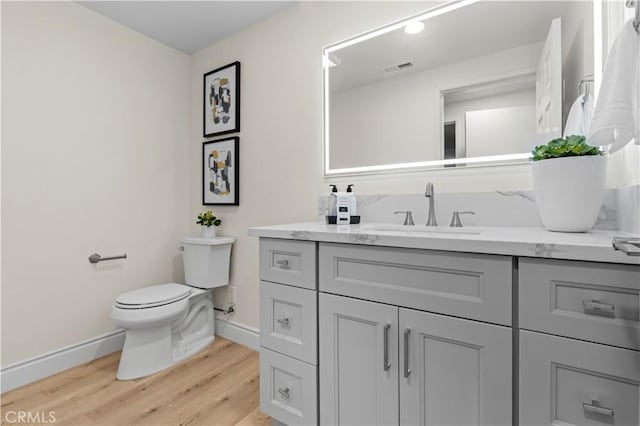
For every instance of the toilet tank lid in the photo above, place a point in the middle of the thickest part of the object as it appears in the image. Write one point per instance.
(207, 241)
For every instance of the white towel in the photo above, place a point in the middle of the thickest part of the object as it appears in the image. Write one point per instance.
(616, 119)
(579, 116)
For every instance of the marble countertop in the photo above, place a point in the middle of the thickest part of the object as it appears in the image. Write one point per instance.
(527, 242)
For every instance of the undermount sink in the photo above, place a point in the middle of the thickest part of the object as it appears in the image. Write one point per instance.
(423, 229)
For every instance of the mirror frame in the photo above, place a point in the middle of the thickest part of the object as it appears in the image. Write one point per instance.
(493, 160)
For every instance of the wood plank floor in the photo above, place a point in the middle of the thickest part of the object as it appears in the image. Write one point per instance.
(217, 387)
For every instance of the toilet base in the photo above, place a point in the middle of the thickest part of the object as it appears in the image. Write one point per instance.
(150, 350)
(145, 352)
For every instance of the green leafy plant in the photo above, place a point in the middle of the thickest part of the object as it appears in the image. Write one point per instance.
(208, 219)
(571, 146)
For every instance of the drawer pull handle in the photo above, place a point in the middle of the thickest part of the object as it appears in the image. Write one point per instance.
(283, 321)
(386, 364)
(595, 305)
(283, 264)
(595, 407)
(284, 392)
(407, 370)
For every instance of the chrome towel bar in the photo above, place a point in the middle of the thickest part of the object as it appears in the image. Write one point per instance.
(95, 258)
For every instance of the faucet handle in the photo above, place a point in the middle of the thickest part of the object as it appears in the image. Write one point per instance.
(408, 218)
(455, 219)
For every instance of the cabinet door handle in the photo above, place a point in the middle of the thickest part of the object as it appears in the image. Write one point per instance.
(595, 407)
(596, 305)
(283, 321)
(283, 264)
(387, 364)
(284, 392)
(407, 370)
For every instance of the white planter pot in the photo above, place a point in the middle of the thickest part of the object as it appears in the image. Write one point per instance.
(569, 191)
(209, 231)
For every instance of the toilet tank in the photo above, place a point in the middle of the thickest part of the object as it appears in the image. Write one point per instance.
(206, 261)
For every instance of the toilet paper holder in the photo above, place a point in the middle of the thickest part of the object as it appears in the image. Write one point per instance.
(95, 258)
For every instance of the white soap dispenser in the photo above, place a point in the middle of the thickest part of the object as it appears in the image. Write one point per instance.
(343, 204)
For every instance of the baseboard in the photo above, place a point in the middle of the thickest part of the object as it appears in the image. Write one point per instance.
(25, 372)
(239, 333)
(22, 373)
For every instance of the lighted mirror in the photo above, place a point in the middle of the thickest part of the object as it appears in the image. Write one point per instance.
(480, 82)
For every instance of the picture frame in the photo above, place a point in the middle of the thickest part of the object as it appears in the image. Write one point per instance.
(221, 172)
(221, 101)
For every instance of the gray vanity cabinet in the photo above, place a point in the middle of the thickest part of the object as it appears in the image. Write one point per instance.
(579, 340)
(385, 364)
(288, 331)
(442, 370)
(356, 334)
(467, 285)
(570, 382)
(453, 371)
(359, 359)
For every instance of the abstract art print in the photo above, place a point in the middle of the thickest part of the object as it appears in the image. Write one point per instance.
(222, 101)
(220, 172)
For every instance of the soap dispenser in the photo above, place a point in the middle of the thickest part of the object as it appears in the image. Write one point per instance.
(332, 205)
(353, 205)
(343, 201)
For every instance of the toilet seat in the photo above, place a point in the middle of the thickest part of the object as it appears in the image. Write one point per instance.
(153, 296)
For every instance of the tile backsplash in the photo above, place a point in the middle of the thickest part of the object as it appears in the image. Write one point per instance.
(620, 208)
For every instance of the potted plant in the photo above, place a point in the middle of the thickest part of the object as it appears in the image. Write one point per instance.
(209, 223)
(569, 179)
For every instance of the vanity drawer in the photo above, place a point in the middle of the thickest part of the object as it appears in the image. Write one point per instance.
(599, 302)
(461, 284)
(570, 382)
(288, 321)
(288, 262)
(288, 389)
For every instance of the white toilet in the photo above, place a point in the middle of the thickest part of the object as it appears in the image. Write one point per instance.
(167, 323)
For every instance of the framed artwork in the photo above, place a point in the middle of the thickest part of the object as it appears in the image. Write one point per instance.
(221, 106)
(221, 172)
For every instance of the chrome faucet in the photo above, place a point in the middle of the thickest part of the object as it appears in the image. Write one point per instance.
(430, 193)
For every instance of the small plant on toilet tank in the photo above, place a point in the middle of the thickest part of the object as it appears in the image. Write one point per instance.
(209, 223)
(568, 179)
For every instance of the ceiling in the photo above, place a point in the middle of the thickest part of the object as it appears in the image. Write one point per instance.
(472, 31)
(187, 26)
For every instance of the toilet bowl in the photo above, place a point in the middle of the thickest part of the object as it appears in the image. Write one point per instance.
(167, 323)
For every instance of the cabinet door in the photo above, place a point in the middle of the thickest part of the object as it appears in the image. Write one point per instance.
(570, 382)
(453, 371)
(359, 362)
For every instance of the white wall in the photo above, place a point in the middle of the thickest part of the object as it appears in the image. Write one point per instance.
(516, 135)
(386, 122)
(95, 158)
(455, 111)
(397, 120)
